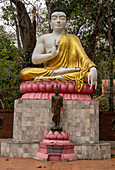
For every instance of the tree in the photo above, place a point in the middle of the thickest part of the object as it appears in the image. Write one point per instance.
(25, 28)
(51, 4)
(94, 24)
(111, 56)
(11, 64)
(90, 20)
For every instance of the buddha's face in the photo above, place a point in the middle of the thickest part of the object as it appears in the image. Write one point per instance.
(58, 21)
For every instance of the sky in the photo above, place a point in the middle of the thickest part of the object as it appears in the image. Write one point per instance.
(37, 3)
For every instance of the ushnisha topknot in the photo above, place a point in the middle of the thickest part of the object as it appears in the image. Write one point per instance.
(57, 10)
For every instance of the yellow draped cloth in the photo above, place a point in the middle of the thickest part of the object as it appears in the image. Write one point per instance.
(71, 55)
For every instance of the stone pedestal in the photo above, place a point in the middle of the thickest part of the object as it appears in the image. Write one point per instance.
(56, 150)
(33, 117)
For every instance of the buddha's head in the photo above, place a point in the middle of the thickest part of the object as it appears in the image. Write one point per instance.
(56, 90)
(58, 19)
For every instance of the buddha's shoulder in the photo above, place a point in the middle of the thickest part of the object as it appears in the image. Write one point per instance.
(44, 36)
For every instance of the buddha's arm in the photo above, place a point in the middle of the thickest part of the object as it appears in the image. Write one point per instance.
(64, 71)
(38, 55)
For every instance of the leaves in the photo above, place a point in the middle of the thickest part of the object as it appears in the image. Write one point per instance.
(10, 64)
(41, 166)
(7, 14)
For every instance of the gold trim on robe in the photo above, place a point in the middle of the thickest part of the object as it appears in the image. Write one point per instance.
(71, 55)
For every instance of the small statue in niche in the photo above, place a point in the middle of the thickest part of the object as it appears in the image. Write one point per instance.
(57, 103)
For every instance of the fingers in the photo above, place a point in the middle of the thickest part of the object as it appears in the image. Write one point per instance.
(58, 46)
(36, 78)
(91, 84)
(95, 85)
(55, 42)
(54, 51)
(58, 49)
(92, 80)
(89, 78)
(77, 69)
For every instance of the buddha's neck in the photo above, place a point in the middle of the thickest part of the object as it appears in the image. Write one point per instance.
(58, 33)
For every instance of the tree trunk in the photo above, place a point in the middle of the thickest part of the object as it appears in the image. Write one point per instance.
(96, 31)
(50, 6)
(27, 29)
(17, 29)
(111, 58)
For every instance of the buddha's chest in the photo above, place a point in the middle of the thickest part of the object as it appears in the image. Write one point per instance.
(50, 42)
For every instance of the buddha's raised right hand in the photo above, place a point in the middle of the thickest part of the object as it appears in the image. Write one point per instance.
(55, 51)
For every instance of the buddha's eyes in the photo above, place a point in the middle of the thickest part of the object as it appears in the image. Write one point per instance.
(54, 17)
(61, 17)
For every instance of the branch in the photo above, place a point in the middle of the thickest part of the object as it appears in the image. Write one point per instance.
(2, 104)
(83, 22)
(27, 29)
(17, 29)
(111, 57)
(96, 31)
(50, 6)
(78, 28)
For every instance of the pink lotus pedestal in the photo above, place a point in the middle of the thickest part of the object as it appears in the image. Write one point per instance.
(56, 147)
(44, 90)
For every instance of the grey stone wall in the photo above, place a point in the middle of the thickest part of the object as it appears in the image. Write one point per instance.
(79, 118)
(93, 151)
(33, 117)
(15, 149)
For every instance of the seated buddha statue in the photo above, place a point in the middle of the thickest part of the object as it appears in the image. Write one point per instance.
(63, 56)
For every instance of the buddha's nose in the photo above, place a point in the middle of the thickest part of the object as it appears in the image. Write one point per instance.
(58, 20)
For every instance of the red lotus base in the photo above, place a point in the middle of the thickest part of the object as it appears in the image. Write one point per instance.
(56, 148)
(44, 90)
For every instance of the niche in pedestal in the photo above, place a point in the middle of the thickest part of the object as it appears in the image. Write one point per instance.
(1, 122)
(113, 124)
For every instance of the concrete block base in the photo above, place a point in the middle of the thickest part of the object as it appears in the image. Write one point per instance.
(33, 117)
(17, 149)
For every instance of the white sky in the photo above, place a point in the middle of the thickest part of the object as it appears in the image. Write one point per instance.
(37, 4)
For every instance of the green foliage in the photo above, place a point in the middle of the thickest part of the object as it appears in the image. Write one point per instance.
(104, 105)
(10, 64)
(81, 14)
(7, 48)
(42, 23)
(7, 16)
(81, 21)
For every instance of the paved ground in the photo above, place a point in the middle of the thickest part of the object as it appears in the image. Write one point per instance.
(31, 164)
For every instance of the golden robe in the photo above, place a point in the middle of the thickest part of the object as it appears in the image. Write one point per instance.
(71, 55)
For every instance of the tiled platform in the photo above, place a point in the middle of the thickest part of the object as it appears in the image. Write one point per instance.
(33, 117)
(17, 149)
